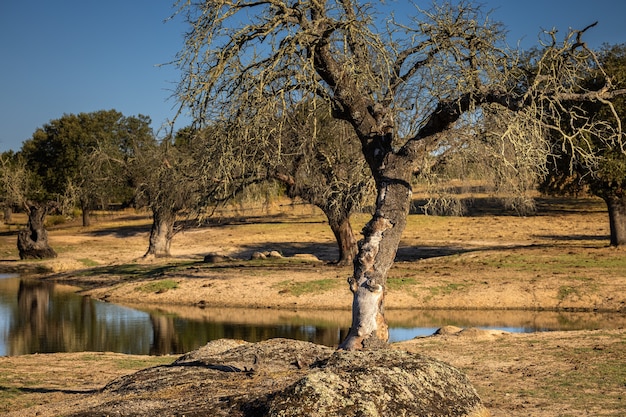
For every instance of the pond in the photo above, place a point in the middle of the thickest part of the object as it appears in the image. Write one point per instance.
(41, 317)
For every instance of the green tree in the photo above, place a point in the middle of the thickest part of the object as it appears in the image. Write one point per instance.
(77, 157)
(401, 86)
(74, 160)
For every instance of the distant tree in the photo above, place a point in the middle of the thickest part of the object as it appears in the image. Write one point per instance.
(64, 165)
(594, 162)
(173, 179)
(13, 178)
(73, 156)
(21, 187)
(159, 177)
(321, 162)
(401, 86)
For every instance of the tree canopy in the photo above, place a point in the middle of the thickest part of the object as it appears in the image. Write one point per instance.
(402, 86)
(76, 158)
(595, 162)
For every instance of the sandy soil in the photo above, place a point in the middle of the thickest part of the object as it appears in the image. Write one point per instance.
(558, 260)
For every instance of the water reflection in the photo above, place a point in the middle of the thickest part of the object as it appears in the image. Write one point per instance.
(40, 317)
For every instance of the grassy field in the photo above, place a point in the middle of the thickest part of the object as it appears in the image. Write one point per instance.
(558, 260)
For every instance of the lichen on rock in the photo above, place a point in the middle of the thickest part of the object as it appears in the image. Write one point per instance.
(379, 383)
(283, 378)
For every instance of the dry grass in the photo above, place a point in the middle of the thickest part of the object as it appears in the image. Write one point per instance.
(558, 260)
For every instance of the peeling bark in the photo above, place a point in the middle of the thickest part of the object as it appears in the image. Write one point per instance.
(377, 251)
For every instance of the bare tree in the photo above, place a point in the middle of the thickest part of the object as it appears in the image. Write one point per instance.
(400, 87)
(13, 182)
(20, 187)
(602, 170)
(160, 175)
(186, 176)
(321, 162)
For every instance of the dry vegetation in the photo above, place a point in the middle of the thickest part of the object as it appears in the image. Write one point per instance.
(557, 260)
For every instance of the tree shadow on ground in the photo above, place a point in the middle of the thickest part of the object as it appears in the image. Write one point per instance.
(121, 231)
(190, 224)
(326, 252)
(34, 390)
(416, 253)
(573, 237)
(546, 206)
(279, 218)
(122, 273)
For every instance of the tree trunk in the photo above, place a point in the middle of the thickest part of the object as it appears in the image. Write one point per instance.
(8, 214)
(32, 242)
(376, 255)
(86, 216)
(161, 234)
(617, 218)
(339, 222)
(346, 241)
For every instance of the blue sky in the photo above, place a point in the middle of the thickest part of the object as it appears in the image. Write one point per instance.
(72, 56)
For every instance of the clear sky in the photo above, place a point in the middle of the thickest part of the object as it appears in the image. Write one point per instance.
(73, 56)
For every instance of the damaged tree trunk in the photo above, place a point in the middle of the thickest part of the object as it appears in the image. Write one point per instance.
(32, 242)
(377, 252)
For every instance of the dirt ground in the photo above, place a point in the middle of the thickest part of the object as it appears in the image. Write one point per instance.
(558, 260)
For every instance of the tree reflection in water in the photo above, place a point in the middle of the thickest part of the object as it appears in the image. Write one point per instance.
(33, 301)
(45, 320)
(39, 317)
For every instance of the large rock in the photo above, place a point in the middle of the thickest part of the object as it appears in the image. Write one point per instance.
(379, 383)
(283, 377)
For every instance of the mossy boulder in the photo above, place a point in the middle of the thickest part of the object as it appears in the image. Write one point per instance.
(379, 383)
(281, 377)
